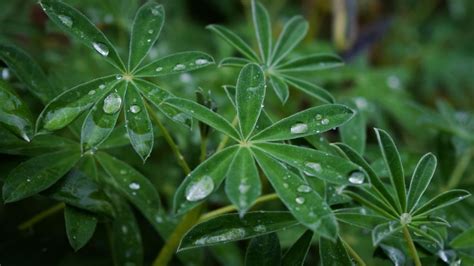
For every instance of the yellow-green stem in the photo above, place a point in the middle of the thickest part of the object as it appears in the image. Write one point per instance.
(174, 147)
(353, 253)
(411, 246)
(42, 215)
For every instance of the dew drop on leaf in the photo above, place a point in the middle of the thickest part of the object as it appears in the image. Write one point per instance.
(150, 31)
(112, 103)
(135, 109)
(313, 166)
(318, 116)
(155, 11)
(299, 200)
(134, 186)
(66, 20)
(158, 69)
(260, 228)
(101, 48)
(102, 86)
(299, 128)
(405, 218)
(356, 178)
(179, 67)
(5, 74)
(325, 121)
(201, 61)
(118, 77)
(91, 92)
(304, 188)
(200, 189)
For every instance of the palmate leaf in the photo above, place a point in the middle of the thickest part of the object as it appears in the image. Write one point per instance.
(29, 72)
(420, 180)
(293, 32)
(250, 93)
(231, 227)
(10, 144)
(263, 29)
(333, 253)
(146, 29)
(243, 182)
(264, 250)
(280, 87)
(38, 174)
(310, 63)
(14, 113)
(305, 204)
(296, 254)
(353, 133)
(234, 40)
(464, 240)
(234, 62)
(80, 27)
(203, 180)
(308, 122)
(80, 226)
(441, 201)
(174, 64)
(310, 89)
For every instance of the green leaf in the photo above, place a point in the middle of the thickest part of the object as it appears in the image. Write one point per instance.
(464, 240)
(313, 162)
(126, 240)
(263, 250)
(80, 226)
(37, 174)
(101, 120)
(293, 32)
(79, 26)
(280, 87)
(231, 227)
(311, 63)
(175, 63)
(353, 133)
(78, 189)
(234, 62)
(67, 106)
(296, 254)
(310, 89)
(234, 40)
(14, 113)
(138, 124)
(263, 29)
(308, 122)
(204, 115)
(250, 93)
(428, 233)
(385, 230)
(441, 201)
(367, 198)
(132, 185)
(10, 144)
(306, 205)
(333, 253)
(394, 166)
(146, 29)
(243, 182)
(29, 72)
(359, 218)
(203, 180)
(421, 179)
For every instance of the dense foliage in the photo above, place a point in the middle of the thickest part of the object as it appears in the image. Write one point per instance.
(307, 151)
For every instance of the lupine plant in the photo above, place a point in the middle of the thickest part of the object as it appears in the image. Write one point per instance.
(266, 188)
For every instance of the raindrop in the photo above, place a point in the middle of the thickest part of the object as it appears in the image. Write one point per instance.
(356, 178)
(135, 109)
(199, 189)
(5, 74)
(102, 86)
(150, 31)
(361, 103)
(325, 121)
(101, 48)
(299, 128)
(318, 117)
(201, 61)
(158, 69)
(112, 103)
(28, 180)
(155, 11)
(122, 172)
(148, 40)
(304, 188)
(299, 200)
(179, 67)
(405, 218)
(91, 92)
(313, 166)
(260, 228)
(393, 82)
(252, 89)
(134, 186)
(67, 21)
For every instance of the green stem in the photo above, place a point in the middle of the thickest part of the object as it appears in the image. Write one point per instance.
(459, 169)
(174, 147)
(411, 246)
(353, 253)
(41, 216)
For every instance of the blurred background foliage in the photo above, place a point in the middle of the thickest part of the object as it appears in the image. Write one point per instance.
(409, 69)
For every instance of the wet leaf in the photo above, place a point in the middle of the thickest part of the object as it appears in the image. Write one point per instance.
(263, 29)
(311, 63)
(264, 250)
(234, 40)
(293, 32)
(175, 63)
(280, 87)
(296, 254)
(333, 253)
(80, 226)
(420, 180)
(310, 89)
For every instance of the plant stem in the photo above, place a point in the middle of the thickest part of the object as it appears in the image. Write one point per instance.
(42, 215)
(459, 169)
(353, 253)
(231, 208)
(411, 246)
(182, 163)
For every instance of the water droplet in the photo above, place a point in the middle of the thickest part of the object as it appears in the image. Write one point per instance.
(299, 200)
(199, 189)
(186, 78)
(148, 40)
(66, 20)
(158, 69)
(230, 234)
(124, 229)
(112, 103)
(313, 166)
(393, 82)
(101, 48)
(285, 185)
(118, 77)
(155, 11)
(135, 109)
(5, 74)
(252, 89)
(122, 172)
(102, 86)
(28, 180)
(325, 121)
(318, 116)
(243, 186)
(304, 188)
(260, 228)
(201, 61)
(179, 67)
(134, 186)
(299, 128)
(361, 103)
(91, 92)
(150, 31)
(405, 218)
(357, 177)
